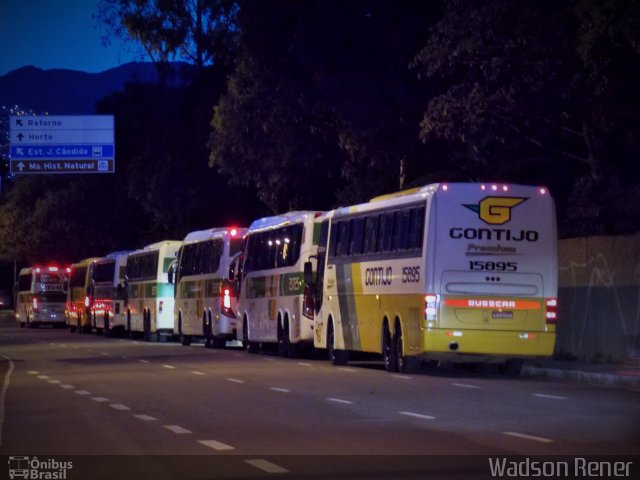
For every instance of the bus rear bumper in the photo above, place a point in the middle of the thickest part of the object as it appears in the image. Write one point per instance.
(489, 345)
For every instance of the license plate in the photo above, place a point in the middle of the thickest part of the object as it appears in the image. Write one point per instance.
(502, 315)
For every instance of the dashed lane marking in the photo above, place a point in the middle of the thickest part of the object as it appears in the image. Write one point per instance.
(82, 392)
(339, 400)
(43, 377)
(170, 367)
(551, 397)
(119, 406)
(235, 380)
(198, 373)
(278, 389)
(529, 437)
(177, 429)
(266, 466)
(146, 418)
(100, 399)
(465, 385)
(417, 415)
(216, 445)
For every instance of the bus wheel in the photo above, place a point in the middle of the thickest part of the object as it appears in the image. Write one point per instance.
(511, 368)
(282, 342)
(388, 353)
(129, 332)
(404, 364)
(185, 340)
(105, 329)
(252, 347)
(337, 357)
(292, 349)
(146, 326)
(22, 324)
(207, 332)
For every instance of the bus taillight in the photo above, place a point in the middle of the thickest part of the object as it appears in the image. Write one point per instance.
(226, 303)
(86, 302)
(35, 304)
(431, 307)
(552, 310)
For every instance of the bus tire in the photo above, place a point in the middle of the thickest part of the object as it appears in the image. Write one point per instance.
(404, 363)
(292, 349)
(185, 340)
(511, 368)
(146, 326)
(336, 357)
(252, 347)
(388, 354)
(106, 329)
(129, 332)
(207, 331)
(282, 346)
(22, 324)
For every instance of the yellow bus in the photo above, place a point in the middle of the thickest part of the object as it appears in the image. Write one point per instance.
(456, 272)
(271, 282)
(78, 308)
(41, 296)
(205, 300)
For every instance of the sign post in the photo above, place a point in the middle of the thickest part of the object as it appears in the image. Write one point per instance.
(62, 144)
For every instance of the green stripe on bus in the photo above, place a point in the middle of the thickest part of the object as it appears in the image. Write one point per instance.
(347, 305)
(281, 285)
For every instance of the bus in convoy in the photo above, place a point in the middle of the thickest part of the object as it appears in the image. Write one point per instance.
(270, 281)
(205, 300)
(148, 299)
(78, 308)
(106, 293)
(41, 296)
(454, 272)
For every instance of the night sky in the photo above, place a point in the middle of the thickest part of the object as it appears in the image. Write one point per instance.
(56, 34)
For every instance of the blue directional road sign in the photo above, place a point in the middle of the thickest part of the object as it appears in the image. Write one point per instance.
(62, 144)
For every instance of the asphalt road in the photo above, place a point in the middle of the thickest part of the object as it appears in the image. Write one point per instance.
(168, 411)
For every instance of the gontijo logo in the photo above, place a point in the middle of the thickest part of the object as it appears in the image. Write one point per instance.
(496, 210)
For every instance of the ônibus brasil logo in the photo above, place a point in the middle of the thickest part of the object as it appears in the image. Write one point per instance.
(495, 210)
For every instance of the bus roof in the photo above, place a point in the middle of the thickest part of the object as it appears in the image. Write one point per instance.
(283, 219)
(85, 262)
(218, 232)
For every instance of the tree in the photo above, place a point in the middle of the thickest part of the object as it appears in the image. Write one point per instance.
(196, 31)
(321, 108)
(521, 103)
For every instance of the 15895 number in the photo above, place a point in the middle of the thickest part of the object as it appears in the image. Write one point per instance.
(493, 266)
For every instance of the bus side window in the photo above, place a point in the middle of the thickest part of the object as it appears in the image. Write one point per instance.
(370, 233)
(386, 228)
(357, 236)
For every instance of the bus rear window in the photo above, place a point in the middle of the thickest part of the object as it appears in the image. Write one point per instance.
(78, 276)
(52, 297)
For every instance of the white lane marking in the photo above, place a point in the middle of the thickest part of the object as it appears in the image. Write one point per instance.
(52, 343)
(124, 357)
(43, 377)
(119, 406)
(305, 364)
(3, 393)
(143, 361)
(216, 445)
(99, 399)
(54, 382)
(417, 415)
(146, 418)
(465, 385)
(345, 369)
(33, 372)
(266, 466)
(169, 366)
(82, 392)
(529, 437)
(198, 373)
(89, 349)
(66, 386)
(278, 389)
(105, 354)
(339, 400)
(177, 429)
(76, 348)
(267, 359)
(234, 380)
(403, 377)
(552, 397)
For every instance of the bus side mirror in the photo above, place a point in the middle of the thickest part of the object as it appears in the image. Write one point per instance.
(170, 275)
(308, 273)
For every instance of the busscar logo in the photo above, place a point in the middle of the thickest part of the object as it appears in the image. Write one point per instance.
(495, 210)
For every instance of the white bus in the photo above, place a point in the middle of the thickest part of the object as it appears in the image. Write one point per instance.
(271, 282)
(149, 295)
(107, 277)
(41, 296)
(205, 300)
(459, 272)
